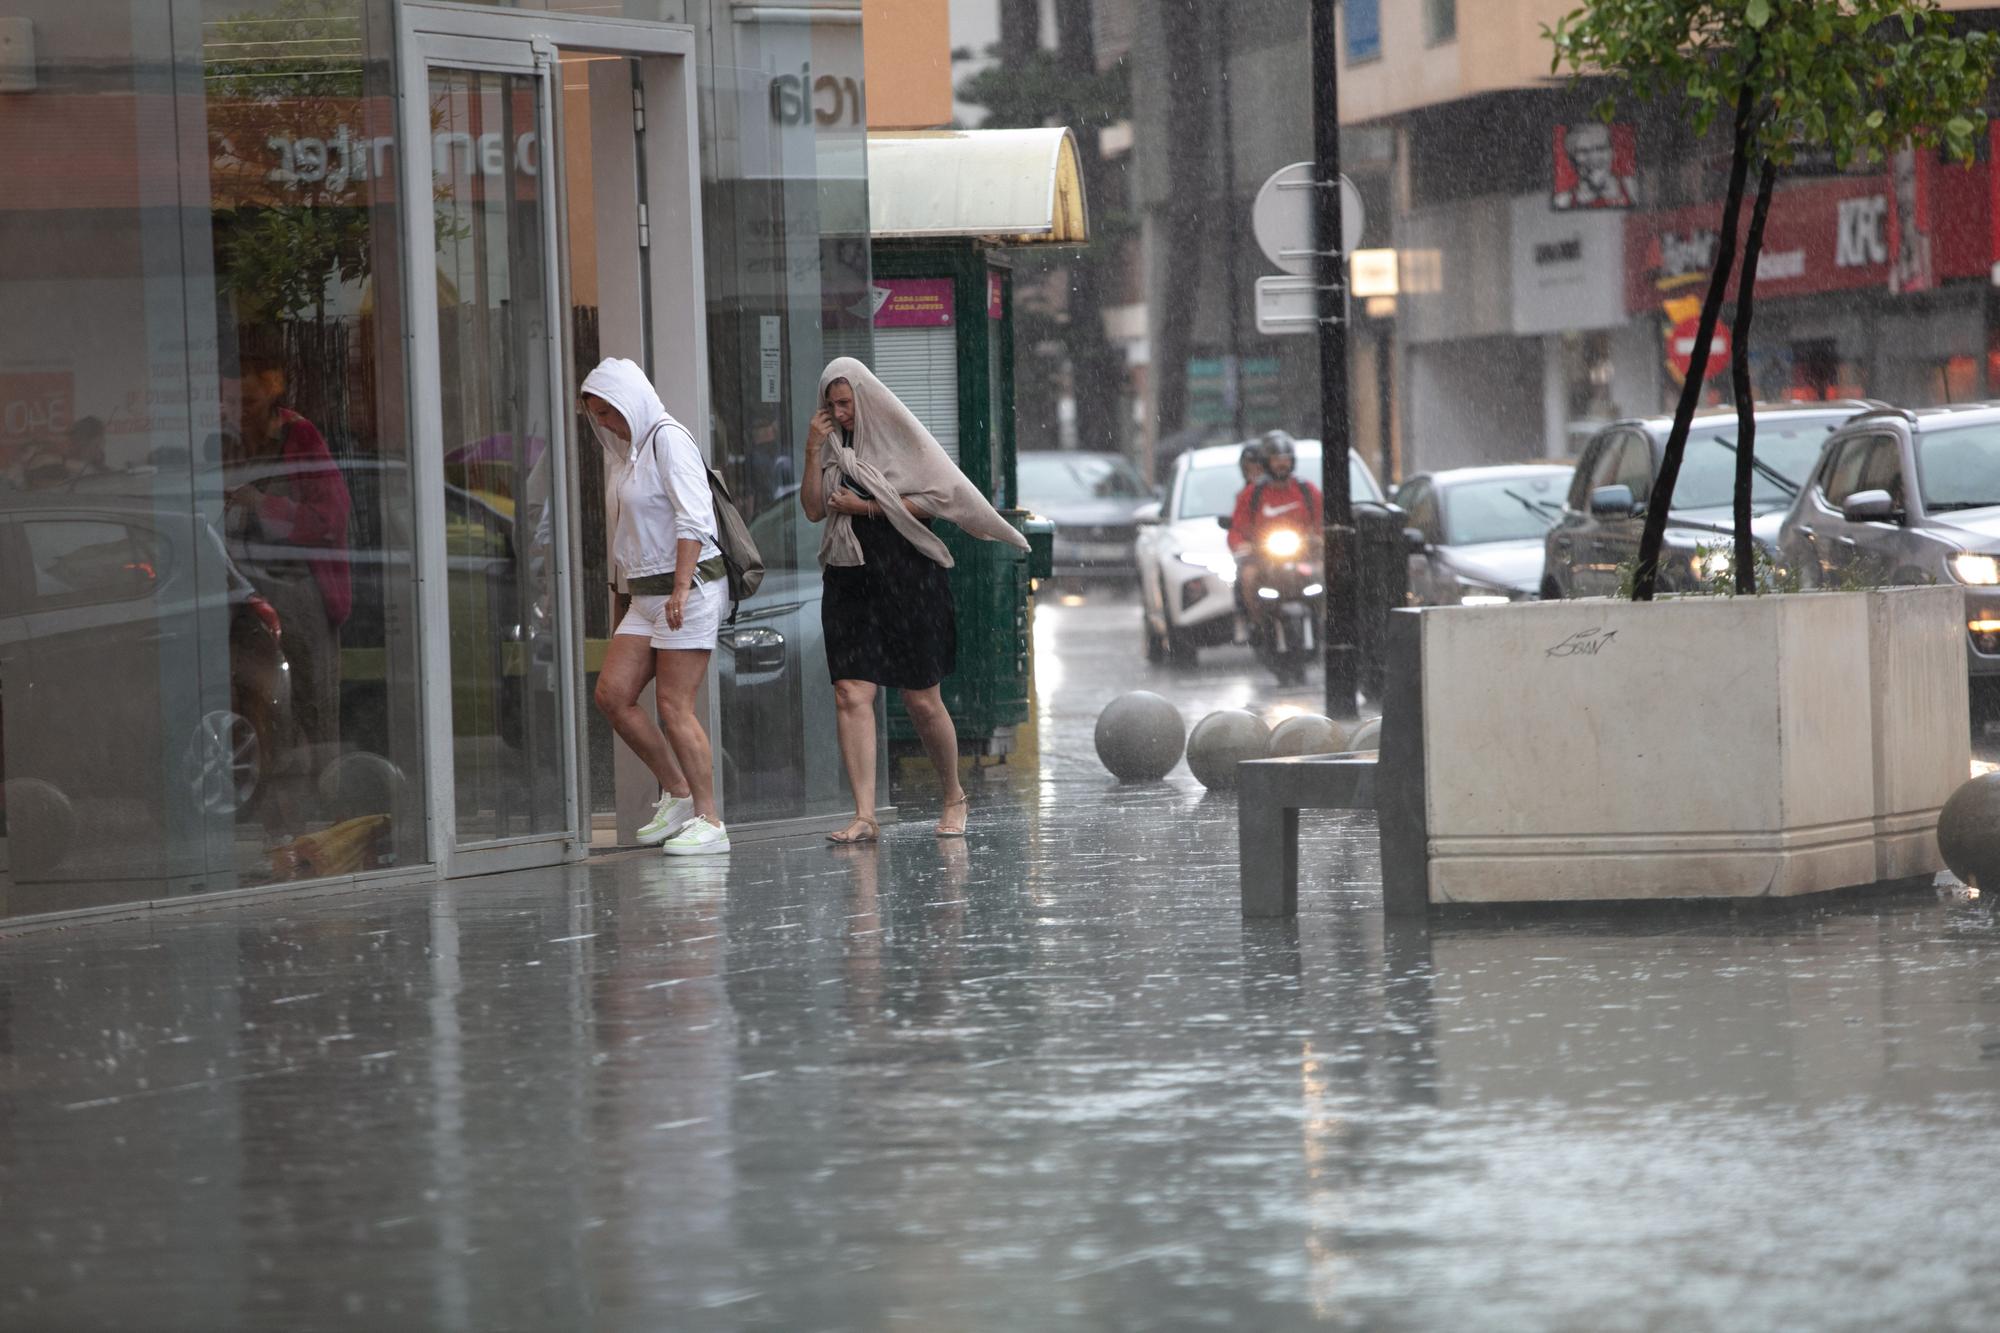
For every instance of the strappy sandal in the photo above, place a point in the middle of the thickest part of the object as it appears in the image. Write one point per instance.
(847, 837)
(959, 832)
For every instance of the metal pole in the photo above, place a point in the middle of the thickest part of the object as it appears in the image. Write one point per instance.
(1232, 375)
(1343, 605)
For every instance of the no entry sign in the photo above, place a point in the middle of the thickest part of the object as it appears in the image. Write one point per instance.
(1680, 349)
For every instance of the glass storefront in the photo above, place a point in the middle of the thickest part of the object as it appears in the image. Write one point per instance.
(206, 614)
(216, 441)
(785, 219)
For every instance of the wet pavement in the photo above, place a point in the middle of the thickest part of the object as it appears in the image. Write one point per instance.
(1045, 1078)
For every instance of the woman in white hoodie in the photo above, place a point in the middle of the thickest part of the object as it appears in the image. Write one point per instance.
(673, 593)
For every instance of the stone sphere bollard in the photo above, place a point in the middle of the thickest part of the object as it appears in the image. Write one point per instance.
(1222, 740)
(41, 825)
(1968, 833)
(1140, 736)
(1308, 733)
(1367, 736)
(360, 783)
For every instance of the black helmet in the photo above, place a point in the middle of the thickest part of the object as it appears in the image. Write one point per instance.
(1253, 452)
(1275, 444)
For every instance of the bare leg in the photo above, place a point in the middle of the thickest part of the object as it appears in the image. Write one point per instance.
(680, 672)
(628, 665)
(854, 702)
(933, 722)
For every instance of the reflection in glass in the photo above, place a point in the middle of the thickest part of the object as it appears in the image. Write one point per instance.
(205, 589)
(500, 524)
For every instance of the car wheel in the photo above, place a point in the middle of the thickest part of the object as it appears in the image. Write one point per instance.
(1180, 650)
(1551, 591)
(225, 763)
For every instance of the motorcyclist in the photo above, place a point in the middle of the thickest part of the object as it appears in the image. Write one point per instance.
(1280, 499)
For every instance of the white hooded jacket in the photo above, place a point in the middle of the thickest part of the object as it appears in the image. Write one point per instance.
(656, 487)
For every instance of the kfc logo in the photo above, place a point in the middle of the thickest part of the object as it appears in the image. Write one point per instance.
(1596, 166)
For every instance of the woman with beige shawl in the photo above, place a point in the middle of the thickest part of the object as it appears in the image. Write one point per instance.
(879, 480)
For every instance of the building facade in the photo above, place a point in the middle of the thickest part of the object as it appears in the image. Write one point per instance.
(1518, 217)
(302, 551)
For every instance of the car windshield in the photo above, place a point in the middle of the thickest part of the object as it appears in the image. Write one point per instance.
(1785, 454)
(1211, 489)
(1048, 478)
(1959, 468)
(1507, 509)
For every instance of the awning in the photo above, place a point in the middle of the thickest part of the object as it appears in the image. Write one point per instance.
(1009, 187)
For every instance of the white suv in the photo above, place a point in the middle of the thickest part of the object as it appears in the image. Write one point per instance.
(1187, 578)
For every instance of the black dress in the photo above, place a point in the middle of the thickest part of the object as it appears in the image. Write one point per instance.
(889, 619)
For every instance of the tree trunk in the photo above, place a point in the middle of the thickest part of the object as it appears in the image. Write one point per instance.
(1097, 372)
(1745, 562)
(1647, 576)
(1186, 144)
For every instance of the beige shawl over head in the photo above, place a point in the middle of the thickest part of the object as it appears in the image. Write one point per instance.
(894, 458)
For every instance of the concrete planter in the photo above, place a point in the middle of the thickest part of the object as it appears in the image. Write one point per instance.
(1694, 748)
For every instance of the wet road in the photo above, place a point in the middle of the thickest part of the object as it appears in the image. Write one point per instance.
(1042, 1079)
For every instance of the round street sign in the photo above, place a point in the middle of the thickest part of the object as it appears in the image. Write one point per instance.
(1282, 218)
(1680, 348)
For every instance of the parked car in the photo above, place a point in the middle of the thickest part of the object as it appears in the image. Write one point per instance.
(1908, 497)
(97, 599)
(1477, 533)
(1187, 577)
(764, 659)
(1093, 499)
(1605, 511)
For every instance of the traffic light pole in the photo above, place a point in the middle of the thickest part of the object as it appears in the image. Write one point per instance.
(1343, 603)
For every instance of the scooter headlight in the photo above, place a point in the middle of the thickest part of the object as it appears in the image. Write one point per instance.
(1283, 544)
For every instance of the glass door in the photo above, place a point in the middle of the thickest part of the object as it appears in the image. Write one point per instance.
(530, 138)
(493, 450)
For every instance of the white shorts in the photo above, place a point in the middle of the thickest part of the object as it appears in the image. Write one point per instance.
(707, 604)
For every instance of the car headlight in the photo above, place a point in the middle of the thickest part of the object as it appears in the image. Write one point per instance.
(1222, 566)
(1283, 544)
(1709, 563)
(1980, 570)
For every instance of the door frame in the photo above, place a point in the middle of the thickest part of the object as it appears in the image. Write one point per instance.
(675, 357)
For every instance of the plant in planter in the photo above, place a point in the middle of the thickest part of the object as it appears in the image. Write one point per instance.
(1856, 78)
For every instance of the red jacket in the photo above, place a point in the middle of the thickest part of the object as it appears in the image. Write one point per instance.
(317, 517)
(1292, 503)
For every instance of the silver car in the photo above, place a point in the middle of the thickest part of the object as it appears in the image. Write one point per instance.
(1476, 533)
(1908, 497)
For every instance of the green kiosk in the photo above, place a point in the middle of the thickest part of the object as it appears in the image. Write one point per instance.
(943, 206)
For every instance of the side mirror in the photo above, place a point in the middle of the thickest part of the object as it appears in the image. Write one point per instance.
(1147, 513)
(1222, 521)
(1414, 538)
(1869, 507)
(1611, 502)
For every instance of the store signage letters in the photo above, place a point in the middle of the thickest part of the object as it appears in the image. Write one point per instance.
(345, 156)
(1864, 232)
(799, 99)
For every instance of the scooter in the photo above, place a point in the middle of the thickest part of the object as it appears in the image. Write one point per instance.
(1285, 585)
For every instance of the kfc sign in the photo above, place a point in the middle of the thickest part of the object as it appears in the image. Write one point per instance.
(1596, 166)
(1863, 233)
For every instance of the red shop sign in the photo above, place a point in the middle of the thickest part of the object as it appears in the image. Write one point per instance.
(1823, 236)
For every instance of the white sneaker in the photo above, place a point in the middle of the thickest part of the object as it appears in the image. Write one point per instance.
(670, 816)
(699, 838)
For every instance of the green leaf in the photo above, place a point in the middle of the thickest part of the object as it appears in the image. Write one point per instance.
(1757, 14)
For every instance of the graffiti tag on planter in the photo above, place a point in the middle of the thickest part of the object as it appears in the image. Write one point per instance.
(1584, 643)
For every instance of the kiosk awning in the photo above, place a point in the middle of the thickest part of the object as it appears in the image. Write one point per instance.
(1010, 187)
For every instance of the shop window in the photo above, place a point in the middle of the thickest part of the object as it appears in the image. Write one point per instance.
(1440, 21)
